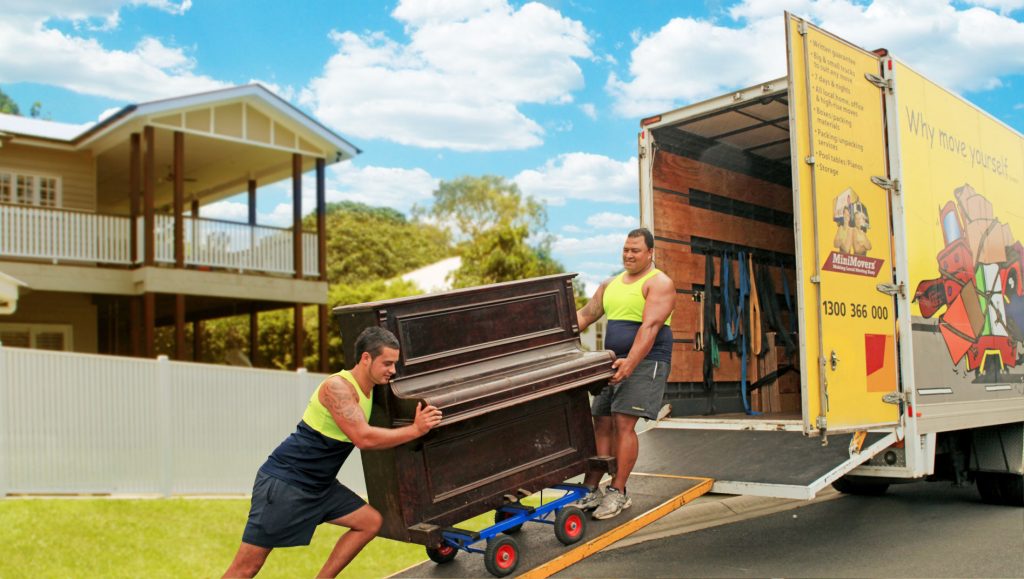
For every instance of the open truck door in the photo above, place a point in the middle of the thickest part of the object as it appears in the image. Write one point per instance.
(844, 254)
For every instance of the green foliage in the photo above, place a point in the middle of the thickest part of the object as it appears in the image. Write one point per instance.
(7, 104)
(495, 223)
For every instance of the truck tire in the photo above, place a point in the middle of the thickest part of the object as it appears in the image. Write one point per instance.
(1012, 487)
(860, 486)
(989, 487)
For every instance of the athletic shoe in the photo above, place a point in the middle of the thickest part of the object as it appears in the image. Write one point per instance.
(613, 503)
(591, 500)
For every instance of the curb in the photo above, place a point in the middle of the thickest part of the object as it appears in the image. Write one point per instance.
(713, 510)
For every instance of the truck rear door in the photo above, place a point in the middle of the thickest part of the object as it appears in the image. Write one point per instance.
(843, 233)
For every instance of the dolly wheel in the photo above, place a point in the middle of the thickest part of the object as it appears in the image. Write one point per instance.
(443, 554)
(502, 556)
(570, 525)
(500, 516)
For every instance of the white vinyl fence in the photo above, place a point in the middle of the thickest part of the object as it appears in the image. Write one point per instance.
(78, 423)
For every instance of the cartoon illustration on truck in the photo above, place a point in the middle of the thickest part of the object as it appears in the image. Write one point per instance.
(852, 224)
(979, 285)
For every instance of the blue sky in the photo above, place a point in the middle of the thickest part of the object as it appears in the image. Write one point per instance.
(548, 94)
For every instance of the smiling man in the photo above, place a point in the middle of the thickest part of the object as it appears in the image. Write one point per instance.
(297, 488)
(639, 304)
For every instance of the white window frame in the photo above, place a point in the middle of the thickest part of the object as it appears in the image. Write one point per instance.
(36, 178)
(34, 330)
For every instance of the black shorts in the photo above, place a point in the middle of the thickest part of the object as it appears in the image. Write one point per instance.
(639, 395)
(283, 515)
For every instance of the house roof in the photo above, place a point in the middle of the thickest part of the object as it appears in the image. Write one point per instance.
(83, 135)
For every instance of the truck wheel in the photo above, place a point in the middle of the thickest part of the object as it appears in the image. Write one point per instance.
(570, 525)
(443, 554)
(1012, 487)
(989, 487)
(500, 516)
(501, 556)
(858, 486)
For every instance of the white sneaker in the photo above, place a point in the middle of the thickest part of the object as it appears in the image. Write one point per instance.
(592, 500)
(613, 503)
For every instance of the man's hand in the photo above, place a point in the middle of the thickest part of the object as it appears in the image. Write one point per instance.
(427, 417)
(623, 369)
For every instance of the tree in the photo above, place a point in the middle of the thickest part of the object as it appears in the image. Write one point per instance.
(7, 104)
(496, 224)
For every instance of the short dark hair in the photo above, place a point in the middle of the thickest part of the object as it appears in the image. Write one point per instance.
(645, 233)
(373, 340)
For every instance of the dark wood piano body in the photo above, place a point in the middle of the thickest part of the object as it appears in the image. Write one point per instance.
(504, 364)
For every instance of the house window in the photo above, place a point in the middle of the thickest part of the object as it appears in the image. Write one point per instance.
(29, 189)
(37, 336)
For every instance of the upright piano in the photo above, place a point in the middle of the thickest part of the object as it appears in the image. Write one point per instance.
(504, 364)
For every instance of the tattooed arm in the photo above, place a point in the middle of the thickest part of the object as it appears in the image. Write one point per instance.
(594, 309)
(341, 400)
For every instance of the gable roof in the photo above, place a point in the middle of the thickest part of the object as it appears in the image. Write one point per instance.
(81, 136)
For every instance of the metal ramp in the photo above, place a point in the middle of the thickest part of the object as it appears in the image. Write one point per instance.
(542, 555)
(768, 463)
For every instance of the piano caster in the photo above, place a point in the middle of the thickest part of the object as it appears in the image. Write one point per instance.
(502, 556)
(443, 554)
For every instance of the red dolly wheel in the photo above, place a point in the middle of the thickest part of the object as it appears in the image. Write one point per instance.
(570, 525)
(502, 556)
(443, 554)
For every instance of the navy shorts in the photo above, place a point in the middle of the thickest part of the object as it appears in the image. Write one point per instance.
(639, 395)
(284, 515)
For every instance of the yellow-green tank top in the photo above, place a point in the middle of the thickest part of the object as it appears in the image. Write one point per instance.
(319, 418)
(626, 301)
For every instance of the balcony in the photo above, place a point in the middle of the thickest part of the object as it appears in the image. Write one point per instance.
(59, 236)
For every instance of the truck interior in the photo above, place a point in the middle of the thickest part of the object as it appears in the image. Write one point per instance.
(722, 190)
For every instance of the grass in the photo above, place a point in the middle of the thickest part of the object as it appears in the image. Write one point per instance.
(112, 538)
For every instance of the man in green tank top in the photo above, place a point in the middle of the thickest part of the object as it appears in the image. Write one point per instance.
(638, 303)
(297, 488)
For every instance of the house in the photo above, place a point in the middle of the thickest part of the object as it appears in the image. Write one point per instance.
(103, 223)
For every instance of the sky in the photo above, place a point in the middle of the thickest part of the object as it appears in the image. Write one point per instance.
(548, 94)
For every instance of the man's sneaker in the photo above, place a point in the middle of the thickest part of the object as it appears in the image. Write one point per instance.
(613, 503)
(592, 500)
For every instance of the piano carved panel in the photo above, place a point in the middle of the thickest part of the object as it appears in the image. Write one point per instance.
(504, 364)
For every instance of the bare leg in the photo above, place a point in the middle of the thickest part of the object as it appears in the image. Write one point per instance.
(604, 433)
(626, 448)
(248, 561)
(363, 526)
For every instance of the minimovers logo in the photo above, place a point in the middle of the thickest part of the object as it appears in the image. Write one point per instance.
(854, 264)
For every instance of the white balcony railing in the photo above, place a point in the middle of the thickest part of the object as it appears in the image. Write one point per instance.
(71, 236)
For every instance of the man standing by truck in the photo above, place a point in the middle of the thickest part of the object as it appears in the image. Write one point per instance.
(639, 304)
(297, 488)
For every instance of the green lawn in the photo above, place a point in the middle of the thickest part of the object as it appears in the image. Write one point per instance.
(160, 538)
(110, 538)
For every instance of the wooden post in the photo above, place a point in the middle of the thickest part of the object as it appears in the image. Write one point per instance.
(179, 200)
(300, 337)
(134, 191)
(148, 191)
(323, 325)
(254, 335)
(297, 214)
(149, 322)
(197, 340)
(135, 321)
(321, 220)
(252, 202)
(179, 326)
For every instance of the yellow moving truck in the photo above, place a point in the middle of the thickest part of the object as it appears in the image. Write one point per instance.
(851, 290)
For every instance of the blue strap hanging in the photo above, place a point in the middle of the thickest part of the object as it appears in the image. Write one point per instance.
(729, 329)
(744, 291)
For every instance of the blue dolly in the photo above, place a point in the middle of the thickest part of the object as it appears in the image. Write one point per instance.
(501, 556)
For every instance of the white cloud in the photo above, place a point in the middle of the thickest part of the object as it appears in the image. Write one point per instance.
(589, 109)
(380, 186)
(151, 70)
(690, 59)
(459, 81)
(572, 228)
(607, 220)
(608, 244)
(584, 176)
